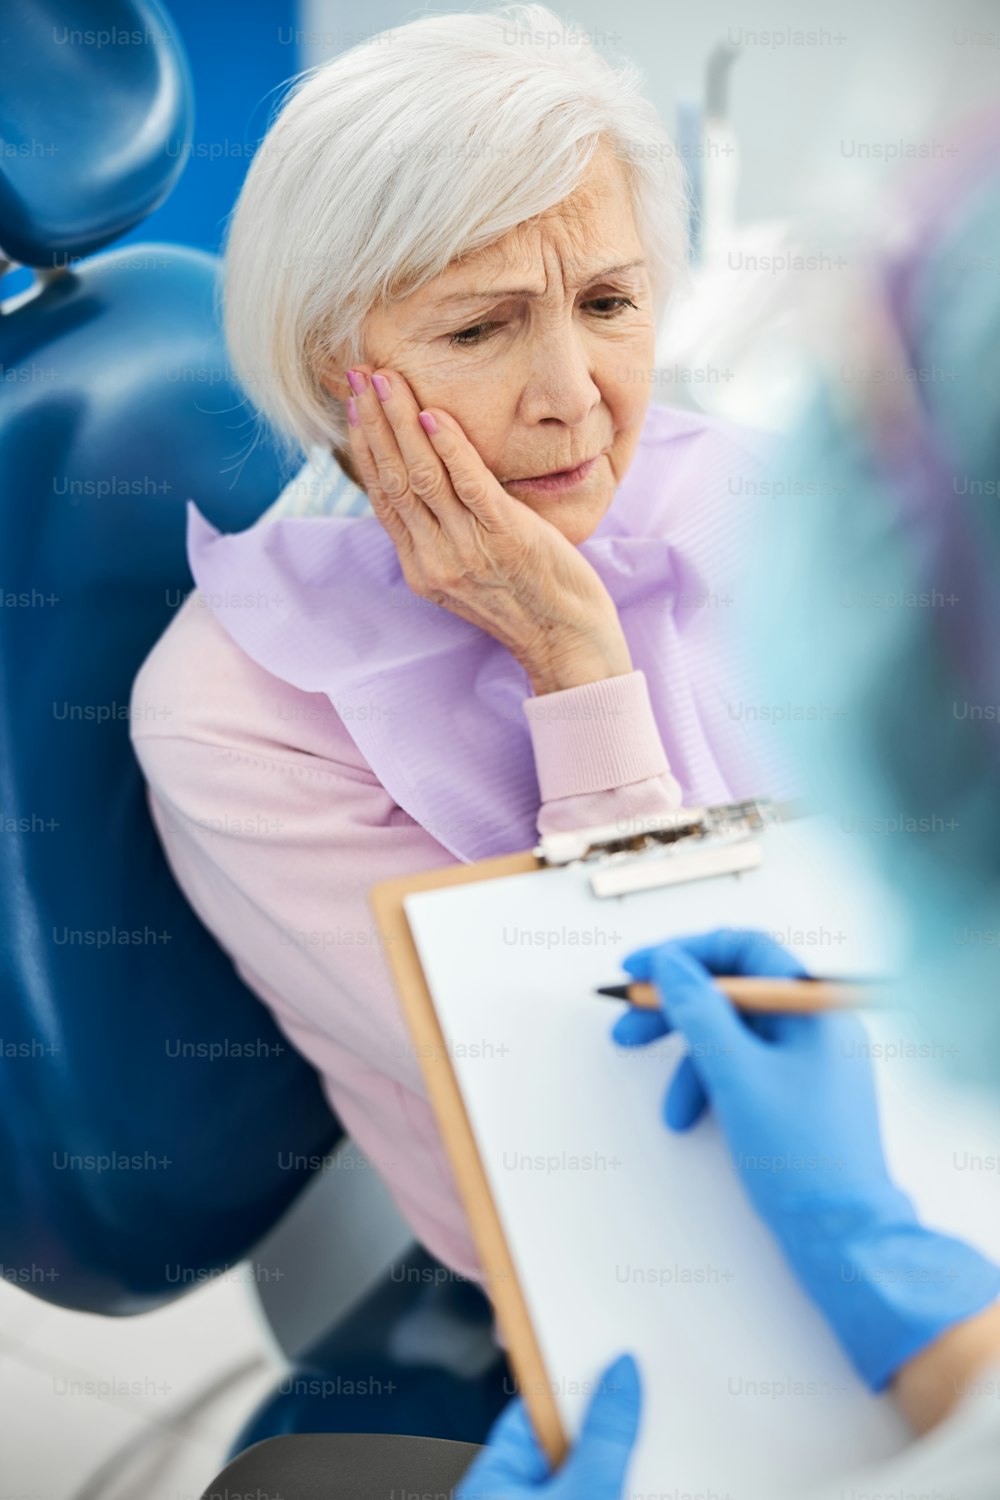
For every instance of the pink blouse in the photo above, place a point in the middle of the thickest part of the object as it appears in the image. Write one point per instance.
(275, 828)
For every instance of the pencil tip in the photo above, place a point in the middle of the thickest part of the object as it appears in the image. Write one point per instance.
(613, 991)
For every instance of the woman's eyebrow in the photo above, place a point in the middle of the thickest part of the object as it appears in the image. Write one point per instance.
(477, 296)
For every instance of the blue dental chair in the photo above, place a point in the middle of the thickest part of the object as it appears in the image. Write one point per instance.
(120, 1160)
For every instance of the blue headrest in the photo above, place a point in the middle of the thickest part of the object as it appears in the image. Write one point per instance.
(96, 115)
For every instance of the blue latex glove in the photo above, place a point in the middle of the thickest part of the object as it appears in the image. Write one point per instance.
(512, 1466)
(795, 1097)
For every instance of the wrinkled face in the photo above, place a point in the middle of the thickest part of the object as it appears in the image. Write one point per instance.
(541, 347)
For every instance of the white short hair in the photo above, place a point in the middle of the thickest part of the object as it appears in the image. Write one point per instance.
(426, 142)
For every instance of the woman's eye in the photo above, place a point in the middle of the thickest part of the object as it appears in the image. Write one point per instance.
(475, 335)
(620, 304)
(472, 335)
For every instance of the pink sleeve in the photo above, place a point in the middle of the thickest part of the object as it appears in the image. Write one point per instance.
(598, 755)
(276, 828)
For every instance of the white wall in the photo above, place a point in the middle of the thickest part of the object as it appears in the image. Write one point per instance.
(881, 71)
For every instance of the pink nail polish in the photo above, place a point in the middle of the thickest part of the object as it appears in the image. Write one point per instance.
(356, 379)
(428, 422)
(382, 387)
(352, 411)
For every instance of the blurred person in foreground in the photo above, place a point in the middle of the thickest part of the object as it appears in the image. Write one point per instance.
(882, 595)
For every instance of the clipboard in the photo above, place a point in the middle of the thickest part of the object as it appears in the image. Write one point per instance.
(693, 843)
(708, 848)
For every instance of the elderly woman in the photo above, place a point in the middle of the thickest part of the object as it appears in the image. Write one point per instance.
(446, 269)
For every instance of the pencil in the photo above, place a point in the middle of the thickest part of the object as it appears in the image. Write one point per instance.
(763, 994)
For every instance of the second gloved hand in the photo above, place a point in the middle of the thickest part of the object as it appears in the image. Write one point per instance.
(512, 1465)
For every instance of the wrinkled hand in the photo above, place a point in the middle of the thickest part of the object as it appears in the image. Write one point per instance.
(467, 545)
(512, 1466)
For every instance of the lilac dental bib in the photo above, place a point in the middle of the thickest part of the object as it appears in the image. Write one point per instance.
(434, 704)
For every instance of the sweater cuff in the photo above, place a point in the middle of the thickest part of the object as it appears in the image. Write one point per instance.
(595, 737)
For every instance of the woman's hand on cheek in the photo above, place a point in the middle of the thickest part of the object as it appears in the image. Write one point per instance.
(465, 544)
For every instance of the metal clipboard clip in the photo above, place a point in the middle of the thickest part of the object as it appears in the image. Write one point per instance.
(694, 843)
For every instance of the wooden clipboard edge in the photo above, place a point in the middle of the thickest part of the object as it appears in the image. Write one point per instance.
(503, 1287)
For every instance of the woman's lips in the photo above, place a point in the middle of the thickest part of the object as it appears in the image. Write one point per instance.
(565, 479)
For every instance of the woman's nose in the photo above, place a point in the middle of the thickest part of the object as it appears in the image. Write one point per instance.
(560, 377)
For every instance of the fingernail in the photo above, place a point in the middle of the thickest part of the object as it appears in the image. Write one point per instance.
(428, 422)
(356, 378)
(352, 411)
(382, 387)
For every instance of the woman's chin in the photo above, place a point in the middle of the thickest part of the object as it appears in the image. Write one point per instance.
(577, 517)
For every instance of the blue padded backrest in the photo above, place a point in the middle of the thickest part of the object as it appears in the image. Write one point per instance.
(124, 412)
(149, 1107)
